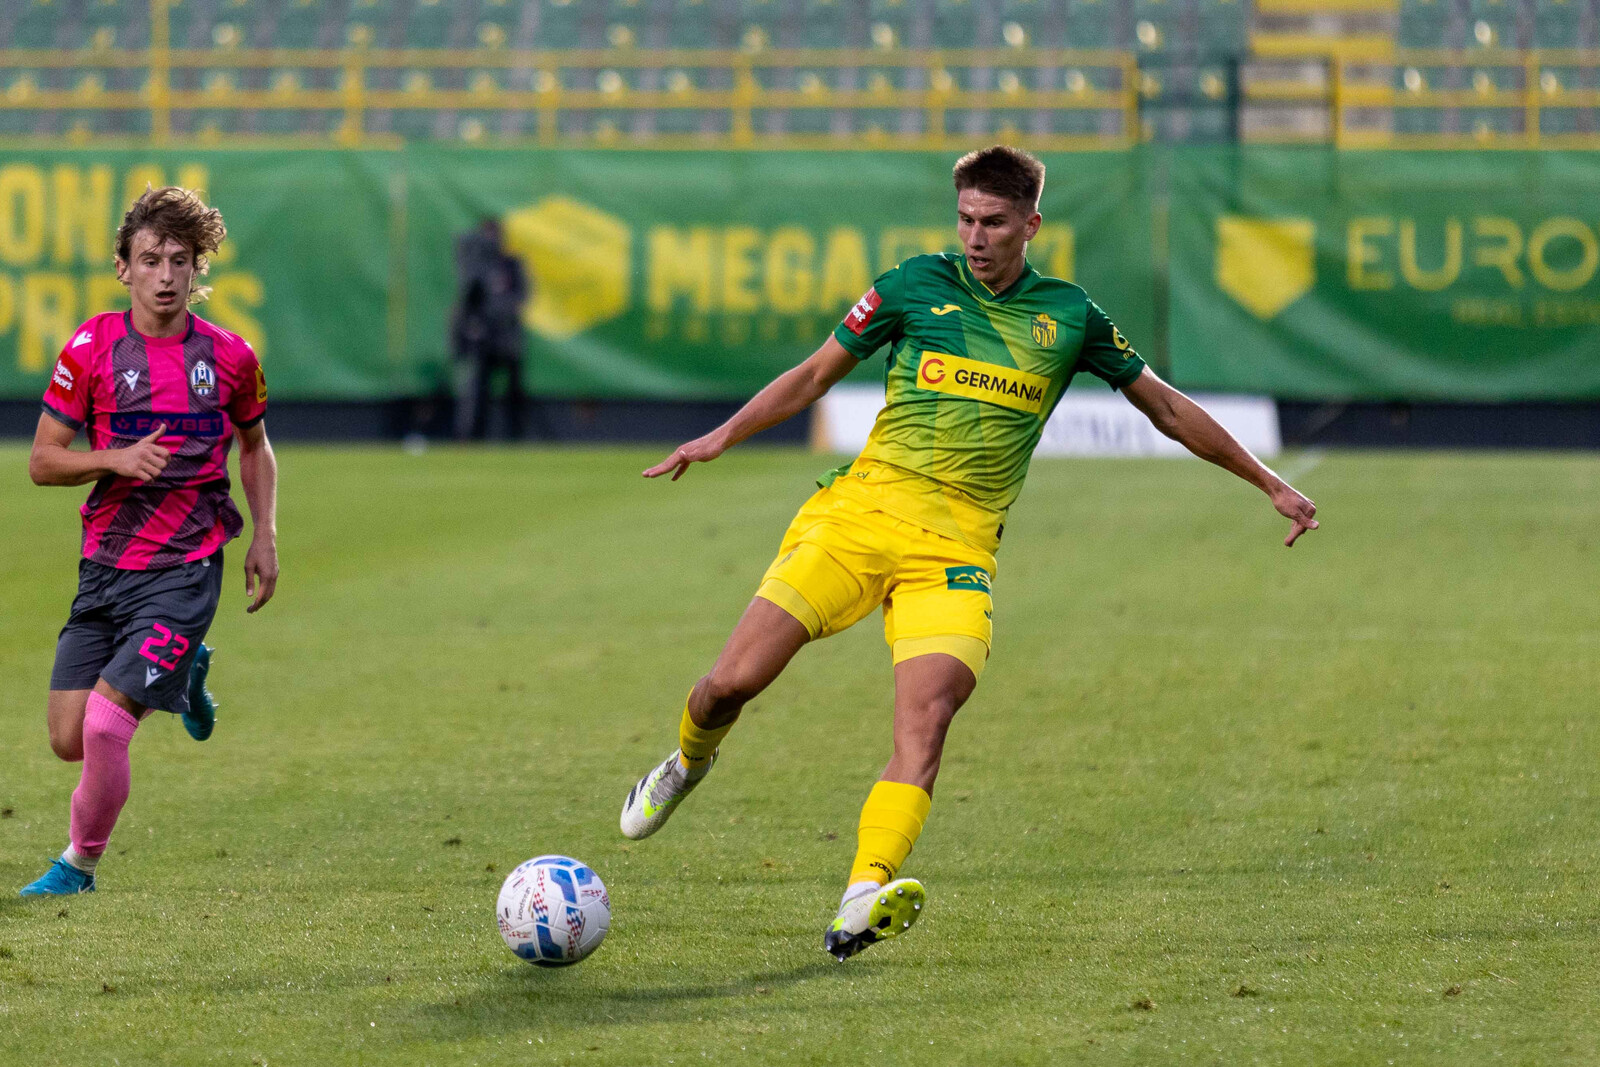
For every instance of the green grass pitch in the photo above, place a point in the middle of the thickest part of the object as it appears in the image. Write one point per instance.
(1215, 802)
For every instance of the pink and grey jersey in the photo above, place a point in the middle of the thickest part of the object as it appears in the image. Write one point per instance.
(120, 385)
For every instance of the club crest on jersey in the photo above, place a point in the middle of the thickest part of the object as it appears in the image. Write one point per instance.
(1044, 330)
(203, 380)
(132, 378)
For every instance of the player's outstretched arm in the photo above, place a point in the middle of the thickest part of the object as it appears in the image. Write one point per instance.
(1187, 423)
(258, 473)
(53, 462)
(788, 394)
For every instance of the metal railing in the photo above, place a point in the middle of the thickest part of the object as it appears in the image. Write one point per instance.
(1468, 99)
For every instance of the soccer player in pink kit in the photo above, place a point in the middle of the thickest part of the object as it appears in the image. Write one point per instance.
(161, 394)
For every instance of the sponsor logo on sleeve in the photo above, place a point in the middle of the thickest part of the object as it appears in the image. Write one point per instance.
(862, 313)
(62, 377)
(974, 379)
(261, 385)
(83, 338)
(1120, 341)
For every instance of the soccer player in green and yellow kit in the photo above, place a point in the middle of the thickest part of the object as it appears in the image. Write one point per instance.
(981, 348)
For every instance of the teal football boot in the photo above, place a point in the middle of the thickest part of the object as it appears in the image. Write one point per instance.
(61, 880)
(201, 718)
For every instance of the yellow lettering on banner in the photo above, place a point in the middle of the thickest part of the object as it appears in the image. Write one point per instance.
(135, 182)
(790, 277)
(196, 177)
(844, 270)
(82, 215)
(681, 264)
(21, 214)
(102, 292)
(49, 315)
(899, 243)
(739, 268)
(1430, 281)
(1562, 281)
(1502, 256)
(1359, 254)
(233, 297)
(8, 303)
(1053, 250)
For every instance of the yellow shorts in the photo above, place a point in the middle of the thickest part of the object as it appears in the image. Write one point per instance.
(841, 558)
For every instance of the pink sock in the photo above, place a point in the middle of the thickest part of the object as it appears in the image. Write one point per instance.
(103, 789)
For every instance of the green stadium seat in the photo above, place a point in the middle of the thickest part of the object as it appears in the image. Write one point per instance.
(560, 24)
(1424, 24)
(1222, 27)
(1158, 25)
(37, 24)
(1492, 23)
(954, 24)
(494, 24)
(1090, 24)
(300, 24)
(827, 24)
(1558, 24)
(114, 24)
(1026, 23)
(893, 24)
(695, 24)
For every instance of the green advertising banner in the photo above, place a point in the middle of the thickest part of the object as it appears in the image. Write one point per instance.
(655, 274)
(706, 274)
(303, 275)
(1316, 274)
(1299, 272)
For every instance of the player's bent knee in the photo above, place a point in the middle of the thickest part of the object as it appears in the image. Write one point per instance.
(67, 749)
(732, 687)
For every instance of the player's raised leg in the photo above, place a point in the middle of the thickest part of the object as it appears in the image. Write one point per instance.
(106, 730)
(760, 647)
(929, 690)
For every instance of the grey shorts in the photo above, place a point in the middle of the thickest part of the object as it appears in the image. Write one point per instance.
(139, 630)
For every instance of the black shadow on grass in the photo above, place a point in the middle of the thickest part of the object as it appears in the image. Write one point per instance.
(553, 994)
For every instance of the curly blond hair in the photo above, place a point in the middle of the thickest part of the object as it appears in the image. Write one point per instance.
(178, 214)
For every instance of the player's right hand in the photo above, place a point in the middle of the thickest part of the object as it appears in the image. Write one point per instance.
(144, 459)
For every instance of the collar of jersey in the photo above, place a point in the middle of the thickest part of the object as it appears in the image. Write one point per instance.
(176, 339)
(988, 295)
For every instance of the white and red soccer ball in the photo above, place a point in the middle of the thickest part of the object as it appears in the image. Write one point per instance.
(553, 911)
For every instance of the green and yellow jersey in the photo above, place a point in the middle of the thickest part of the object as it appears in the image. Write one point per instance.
(972, 377)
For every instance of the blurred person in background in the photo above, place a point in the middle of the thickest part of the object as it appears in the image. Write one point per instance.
(486, 332)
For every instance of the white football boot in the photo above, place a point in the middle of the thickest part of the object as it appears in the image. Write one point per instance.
(867, 918)
(652, 801)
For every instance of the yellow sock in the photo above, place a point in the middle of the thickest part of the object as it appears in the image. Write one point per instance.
(891, 819)
(696, 744)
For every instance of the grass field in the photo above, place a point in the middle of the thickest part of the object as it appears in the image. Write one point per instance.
(1214, 802)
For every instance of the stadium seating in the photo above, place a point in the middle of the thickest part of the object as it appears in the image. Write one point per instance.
(1189, 54)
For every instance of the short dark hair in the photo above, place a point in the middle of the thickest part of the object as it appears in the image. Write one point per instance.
(178, 214)
(1002, 171)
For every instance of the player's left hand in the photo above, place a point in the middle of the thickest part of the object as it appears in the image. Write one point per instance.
(1297, 508)
(260, 573)
(700, 450)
